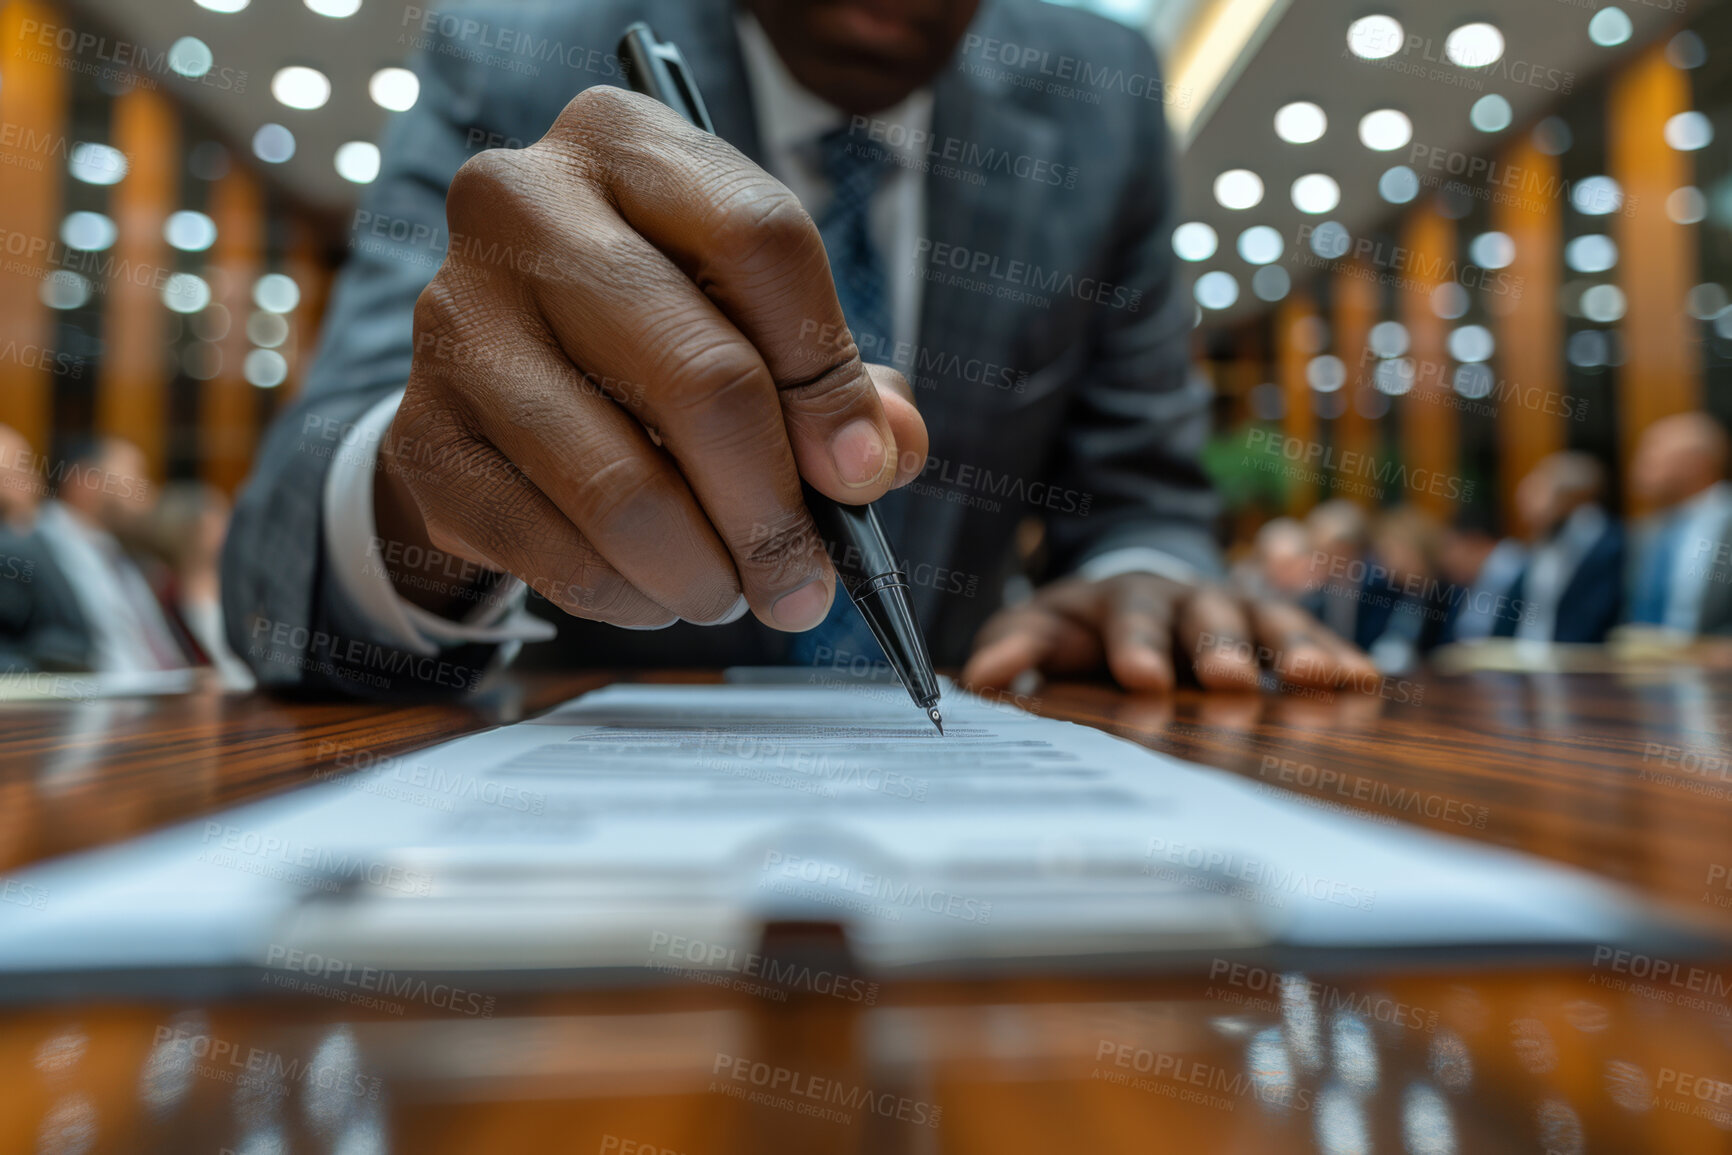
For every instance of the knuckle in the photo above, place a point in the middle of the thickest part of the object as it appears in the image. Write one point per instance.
(484, 184)
(782, 548)
(763, 223)
(622, 497)
(711, 376)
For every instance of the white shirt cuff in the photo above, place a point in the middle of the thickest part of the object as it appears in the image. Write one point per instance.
(1139, 559)
(351, 542)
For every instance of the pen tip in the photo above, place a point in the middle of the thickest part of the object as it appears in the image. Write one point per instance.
(937, 720)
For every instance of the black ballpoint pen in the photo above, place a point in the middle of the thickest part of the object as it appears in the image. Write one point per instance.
(858, 549)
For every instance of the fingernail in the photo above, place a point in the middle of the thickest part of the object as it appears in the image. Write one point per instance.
(859, 453)
(802, 609)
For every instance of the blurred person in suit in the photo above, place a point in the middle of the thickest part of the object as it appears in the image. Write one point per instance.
(1681, 576)
(185, 533)
(1406, 603)
(86, 604)
(21, 487)
(1340, 534)
(1279, 565)
(585, 349)
(1570, 585)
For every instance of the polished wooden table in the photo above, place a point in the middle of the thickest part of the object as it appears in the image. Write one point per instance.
(1625, 775)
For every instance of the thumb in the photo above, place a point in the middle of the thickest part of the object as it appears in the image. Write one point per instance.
(844, 441)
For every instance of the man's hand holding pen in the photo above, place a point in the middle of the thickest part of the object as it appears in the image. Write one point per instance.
(629, 246)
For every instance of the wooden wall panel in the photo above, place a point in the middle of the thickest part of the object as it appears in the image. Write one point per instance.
(132, 390)
(228, 413)
(1300, 422)
(1529, 328)
(1356, 303)
(1657, 263)
(1430, 424)
(33, 105)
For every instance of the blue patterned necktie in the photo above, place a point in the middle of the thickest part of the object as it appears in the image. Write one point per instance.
(1653, 593)
(853, 166)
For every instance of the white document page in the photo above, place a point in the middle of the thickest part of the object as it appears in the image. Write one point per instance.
(641, 812)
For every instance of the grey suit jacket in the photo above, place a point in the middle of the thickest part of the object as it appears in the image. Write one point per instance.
(1711, 564)
(1052, 361)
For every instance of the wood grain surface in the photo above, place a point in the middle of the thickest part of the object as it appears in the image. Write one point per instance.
(1625, 775)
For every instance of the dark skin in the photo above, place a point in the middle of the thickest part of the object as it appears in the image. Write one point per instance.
(623, 422)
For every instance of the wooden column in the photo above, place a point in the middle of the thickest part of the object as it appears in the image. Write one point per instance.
(1355, 312)
(1430, 429)
(132, 391)
(33, 100)
(1300, 422)
(1530, 328)
(307, 265)
(1662, 371)
(228, 413)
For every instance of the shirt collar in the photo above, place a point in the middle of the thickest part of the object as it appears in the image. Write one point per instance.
(1714, 497)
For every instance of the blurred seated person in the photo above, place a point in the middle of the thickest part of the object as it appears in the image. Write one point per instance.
(1405, 605)
(1480, 570)
(1681, 579)
(86, 605)
(1280, 561)
(20, 487)
(186, 532)
(1339, 532)
(1571, 588)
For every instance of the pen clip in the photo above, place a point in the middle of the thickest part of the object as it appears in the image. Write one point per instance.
(657, 69)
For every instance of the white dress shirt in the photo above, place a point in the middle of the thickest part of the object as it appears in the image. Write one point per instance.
(128, 632)
(1704, 516)
(1552, 566)
(790, 121)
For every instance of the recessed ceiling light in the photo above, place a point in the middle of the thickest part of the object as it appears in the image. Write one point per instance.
(1331, 240)
(1271, 283)
(1603, 304)
(190, 232)
(273, 144)
(265, 368)
(336, 9)
(1491, 113)
(1610, 27)
(190, 57)
(1239, 189)
(301, 87)
(1493, 250)
(395, 89)
(1595, 196)
(1687, 206)
(224, 6)
(64, 289)
(1260, 244)
(186, 293)
(1194, 241)
(1398, 185)
(358, 161)
(1472, 344)
(91, 232)
(1316, 193)
(276, 293)
(1374, 37)
(1217, 290)
(1689, 131)
(1301, 123)
(96, 163)
(1474, 45)
(1385, 130)
(1593, 253)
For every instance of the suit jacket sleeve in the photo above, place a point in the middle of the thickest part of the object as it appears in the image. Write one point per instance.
(285, 612)
(1140, 415)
